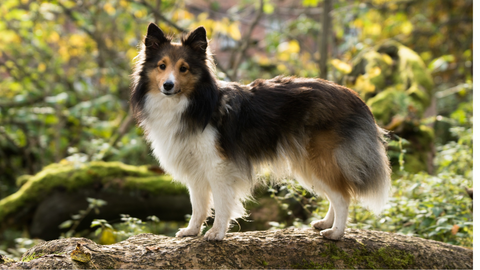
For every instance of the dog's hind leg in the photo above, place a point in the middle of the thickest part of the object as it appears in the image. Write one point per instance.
(328, 179)
(339, 205)
(326, 222)
(200, 198)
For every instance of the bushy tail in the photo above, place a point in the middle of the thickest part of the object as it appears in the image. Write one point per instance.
(363, 161)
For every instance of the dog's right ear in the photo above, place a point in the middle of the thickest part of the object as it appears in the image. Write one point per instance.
(155, 38)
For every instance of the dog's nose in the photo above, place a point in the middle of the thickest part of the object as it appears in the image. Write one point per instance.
(168, 85)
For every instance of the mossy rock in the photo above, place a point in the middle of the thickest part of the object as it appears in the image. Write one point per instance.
(61, 189)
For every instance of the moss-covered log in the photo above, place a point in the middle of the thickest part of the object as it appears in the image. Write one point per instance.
(50, 197)
(290, 248)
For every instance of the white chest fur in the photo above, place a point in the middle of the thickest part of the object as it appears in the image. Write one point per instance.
(184, 157)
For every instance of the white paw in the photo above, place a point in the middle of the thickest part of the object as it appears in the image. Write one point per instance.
(187, 232)
(214, 234)
(333, 234)
(321, 224)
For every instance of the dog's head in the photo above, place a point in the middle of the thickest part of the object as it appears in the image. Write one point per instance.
(175, 68)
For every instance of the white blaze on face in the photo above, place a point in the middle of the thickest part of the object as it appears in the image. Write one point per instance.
(171, 79)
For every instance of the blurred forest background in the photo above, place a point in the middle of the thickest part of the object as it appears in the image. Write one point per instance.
(64, 87)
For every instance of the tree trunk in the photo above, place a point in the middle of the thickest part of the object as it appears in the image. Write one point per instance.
(289, 248)
(325, 38)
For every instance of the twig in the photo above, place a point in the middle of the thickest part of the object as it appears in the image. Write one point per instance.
(246, 42)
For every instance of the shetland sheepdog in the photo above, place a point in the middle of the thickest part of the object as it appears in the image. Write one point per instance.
(213, 136)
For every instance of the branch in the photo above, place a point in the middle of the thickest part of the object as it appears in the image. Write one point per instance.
(246, 42)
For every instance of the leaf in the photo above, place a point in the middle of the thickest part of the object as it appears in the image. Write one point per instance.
(310, 3)
(441, 63)
(66, 224)
(234, 31)
(341, 66)
(455, 229)
(268, 8)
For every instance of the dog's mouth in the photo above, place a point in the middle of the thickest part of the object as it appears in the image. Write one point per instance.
(167, 93)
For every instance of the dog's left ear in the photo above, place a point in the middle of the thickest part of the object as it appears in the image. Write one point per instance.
(197, 39)
(155, 38)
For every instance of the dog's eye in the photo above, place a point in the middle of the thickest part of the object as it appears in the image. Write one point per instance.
(162, 66)
(183, 69)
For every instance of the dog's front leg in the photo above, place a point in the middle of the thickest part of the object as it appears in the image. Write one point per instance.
(200, 198)
(227, 203)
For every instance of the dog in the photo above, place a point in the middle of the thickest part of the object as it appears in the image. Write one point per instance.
(213, 136)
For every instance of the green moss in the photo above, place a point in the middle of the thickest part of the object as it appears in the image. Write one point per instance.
(70, 177)
(32, 256)
(6, 260)
(394, 258)
(311, 265)
(22, 179)
(160, 185)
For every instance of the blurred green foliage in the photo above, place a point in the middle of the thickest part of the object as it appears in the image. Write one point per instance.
(64, 86)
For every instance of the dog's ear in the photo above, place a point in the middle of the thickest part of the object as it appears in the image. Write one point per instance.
(155, 38)
(197, 39)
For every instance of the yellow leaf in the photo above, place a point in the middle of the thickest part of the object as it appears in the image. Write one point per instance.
(406, 27)
(64, 162)
(53, 37)
(374, 29)
(234, 32)
(41, 67)
(358, 23)
(293, 46)
(107, 237)
(282, 68)
(263, 60)
(140, 13)
(387, 59)
(364, 85)
(109, 9)
(202, 16)
(374, 72)
(80, 255)
(289, 47)
(341, 66)
(284, 56)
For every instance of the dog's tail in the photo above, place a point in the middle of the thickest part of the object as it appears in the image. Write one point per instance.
(363, 161)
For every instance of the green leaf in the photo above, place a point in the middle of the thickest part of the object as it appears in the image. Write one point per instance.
(66, 224)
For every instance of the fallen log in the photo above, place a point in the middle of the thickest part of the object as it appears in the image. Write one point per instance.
(288, 248)
(59, 191)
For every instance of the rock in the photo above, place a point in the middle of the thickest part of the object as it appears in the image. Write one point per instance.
(50, 197)
(288, 248)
